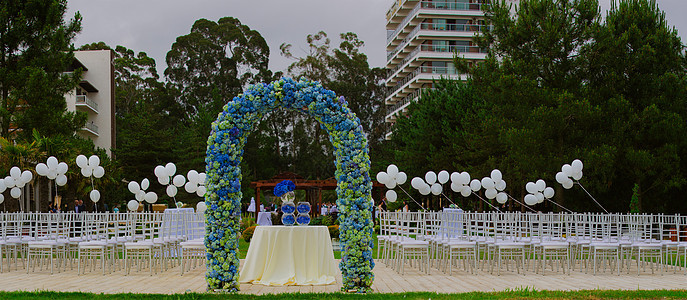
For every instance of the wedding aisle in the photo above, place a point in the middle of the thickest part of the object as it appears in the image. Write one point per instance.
(387, 281)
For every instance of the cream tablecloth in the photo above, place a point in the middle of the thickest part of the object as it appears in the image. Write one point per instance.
(290, 255)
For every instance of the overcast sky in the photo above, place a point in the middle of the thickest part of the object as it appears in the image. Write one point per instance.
(152, 26)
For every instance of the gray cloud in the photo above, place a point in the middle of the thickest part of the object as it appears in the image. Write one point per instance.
(152, 26)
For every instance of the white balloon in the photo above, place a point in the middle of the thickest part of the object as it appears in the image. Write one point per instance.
(577, 165)
(530, 199)
(2, 198)
(431, 177)
(15, 192)
(391, 195)
(496, 175)
(170, 169)
(145, 183)
(201, 178)
(568, 184)
(201, 207)
(98, 172)
(179, 180)
(456, 187)
(425, 189)
(26, 176)
(465, 178)
(15, 173)
(541, 185)
(501, 198)
(93, 161)
(490, 193)
(417, 183)
(95, 196)
(140, 196)
(390, 184)
(436, 189)
(540, 197)
(500, 185)
(9, 182)
(466, 191)
(488, 183)
(151, 197)
(132, 205)
(171, 190)
(86, 172)
(3, 186)
(392, 170)
(192, 176)
(455, 177)
(164, 180)
(19, 183)
(531, 187)
(61, 180)
(82, 161)
(42, 169)
(475, 185)
(548, 192)
(62, 168)
(577, 176)
(567, 170)
(401, 178)
(52, 174)
(160, 171)
(561, 177)
(52, 162)
(383, 177)
(134, 188)
(443, 177)
(201, 191)
(191, 187)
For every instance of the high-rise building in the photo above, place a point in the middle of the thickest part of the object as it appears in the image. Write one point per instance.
(95, 95)
(422, 38)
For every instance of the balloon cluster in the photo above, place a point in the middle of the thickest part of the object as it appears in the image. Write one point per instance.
(431, 184)
(166, 175)
(460, 183)
(494, 187)
(15, 182)
(570, 172)
(90, 167)
(538, 191)
(54, 170)
(390, 179)
(195, 184)
(139, 190)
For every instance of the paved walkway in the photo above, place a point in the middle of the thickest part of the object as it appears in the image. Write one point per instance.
(387, 281)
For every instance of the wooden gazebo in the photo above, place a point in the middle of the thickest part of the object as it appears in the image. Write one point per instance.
(313, 188)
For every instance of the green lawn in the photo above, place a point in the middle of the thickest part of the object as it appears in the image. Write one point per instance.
(515, 294)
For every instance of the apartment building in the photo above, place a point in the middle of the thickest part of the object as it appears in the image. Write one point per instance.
(422, 38)
(95, 95)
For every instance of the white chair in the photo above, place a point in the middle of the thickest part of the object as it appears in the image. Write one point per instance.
(96, 247)
(456, 246)
(50, 242)
(143, 252)
(410, 249)
(193, 250)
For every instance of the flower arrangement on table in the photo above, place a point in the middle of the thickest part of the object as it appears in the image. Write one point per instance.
(284, 187)
(225, 153)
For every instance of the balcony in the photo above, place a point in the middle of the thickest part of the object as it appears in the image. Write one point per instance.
(429, 72)
(434, 29)
(433, 5)
(438, 49)
(91, 128)
(84, 101)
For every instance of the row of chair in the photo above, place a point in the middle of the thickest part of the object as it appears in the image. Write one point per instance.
(536, 241)
(110, 241)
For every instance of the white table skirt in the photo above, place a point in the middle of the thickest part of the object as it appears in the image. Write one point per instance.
(290, 255)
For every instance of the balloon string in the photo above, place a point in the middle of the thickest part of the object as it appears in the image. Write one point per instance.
(487, 202)
(523, 204)
(590, 195)
(561, 206)
(447, 198)
(411, 197)
(93, 188)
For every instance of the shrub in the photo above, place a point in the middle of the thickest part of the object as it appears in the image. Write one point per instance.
(327, 220)
(247, 222)
(333, 231)
(634, 201)
(317, 220)
(248, 233)
(377, 229)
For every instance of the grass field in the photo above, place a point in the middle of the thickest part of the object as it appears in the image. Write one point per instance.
(515, 294)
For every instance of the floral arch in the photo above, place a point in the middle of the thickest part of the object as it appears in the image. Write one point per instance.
(225, 153)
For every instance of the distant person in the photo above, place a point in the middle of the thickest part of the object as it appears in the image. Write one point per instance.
(334, 210)
(323, 209)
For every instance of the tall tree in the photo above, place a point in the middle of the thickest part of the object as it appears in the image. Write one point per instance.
(35, 53)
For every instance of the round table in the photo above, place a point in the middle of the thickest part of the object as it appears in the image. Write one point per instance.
(290, 255)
